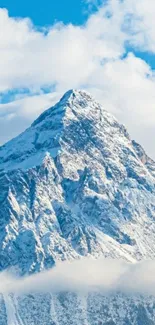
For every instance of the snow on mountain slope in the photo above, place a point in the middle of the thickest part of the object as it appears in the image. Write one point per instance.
(71, 308)
(74, 184)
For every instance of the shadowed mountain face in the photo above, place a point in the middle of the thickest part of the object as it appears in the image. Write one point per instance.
(74, 184)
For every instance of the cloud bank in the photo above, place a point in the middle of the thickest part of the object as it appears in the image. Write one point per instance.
(87, 275)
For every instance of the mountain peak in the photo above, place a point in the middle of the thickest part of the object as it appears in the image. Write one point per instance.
(76, 94)
(76, 119)
(75, 184)
(71, 98)
(77, 122)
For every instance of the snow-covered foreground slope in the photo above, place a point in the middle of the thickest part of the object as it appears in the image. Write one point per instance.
(72, 309)
(74, 184)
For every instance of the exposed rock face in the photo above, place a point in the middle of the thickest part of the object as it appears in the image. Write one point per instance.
(72, 185)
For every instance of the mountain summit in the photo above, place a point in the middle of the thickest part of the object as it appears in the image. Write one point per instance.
(74, 184)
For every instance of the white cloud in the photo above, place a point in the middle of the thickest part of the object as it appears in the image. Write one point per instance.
(18, 115)
(31, 58)
(102, 275)
(68, 56)
(135, 18)
(127, 89)
(142, 23)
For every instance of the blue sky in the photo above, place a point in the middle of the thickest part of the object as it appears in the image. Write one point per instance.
(106, 47)
(46, 12)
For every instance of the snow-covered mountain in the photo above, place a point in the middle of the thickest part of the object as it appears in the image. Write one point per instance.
(72, 309)
(75, 184)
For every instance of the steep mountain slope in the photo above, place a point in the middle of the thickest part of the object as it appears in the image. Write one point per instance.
(70, 308)
(74, 184)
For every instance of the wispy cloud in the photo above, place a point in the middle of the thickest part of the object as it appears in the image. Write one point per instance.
(16, 116)
(87, 275)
